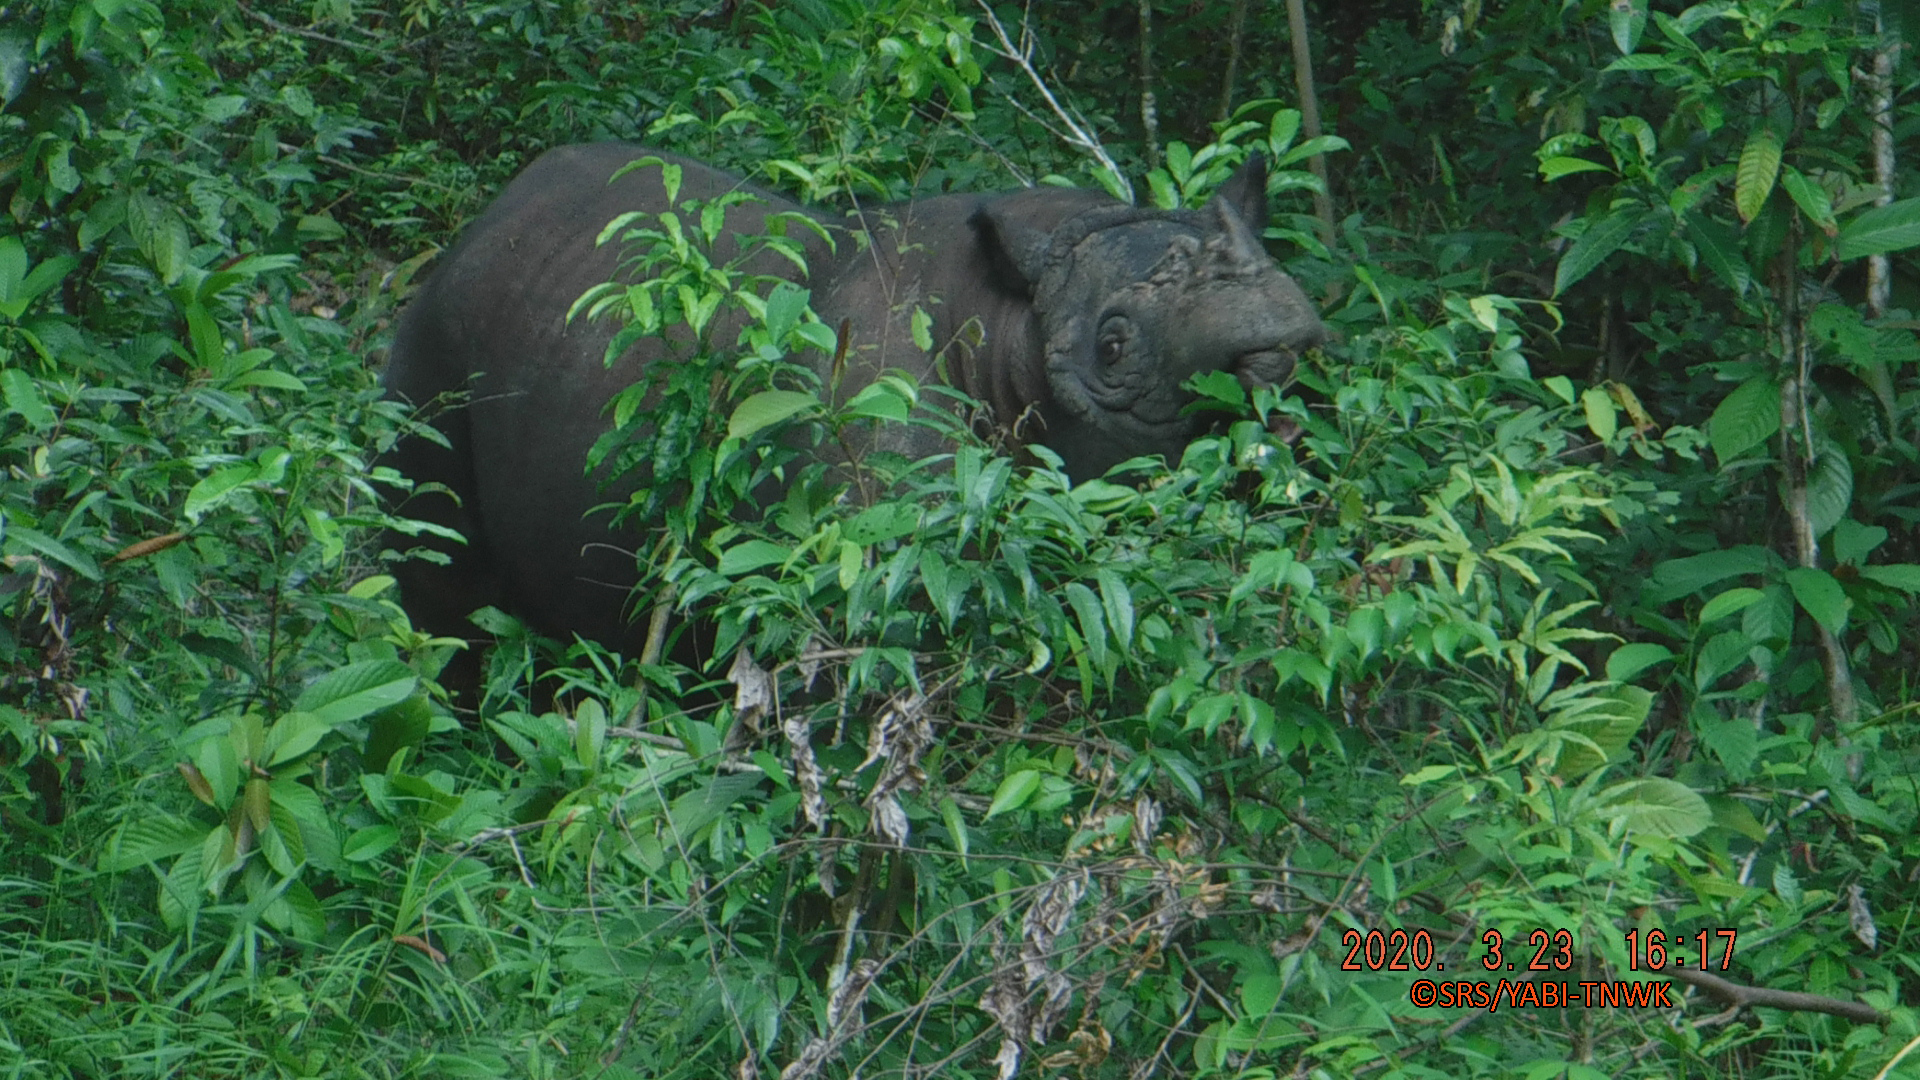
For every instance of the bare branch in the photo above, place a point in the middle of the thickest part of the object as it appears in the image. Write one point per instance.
(1739, 996)
(1078, 133)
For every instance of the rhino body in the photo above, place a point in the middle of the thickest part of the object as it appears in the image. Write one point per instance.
(1093, 313)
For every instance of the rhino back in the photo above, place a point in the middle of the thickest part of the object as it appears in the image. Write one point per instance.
(492, 321)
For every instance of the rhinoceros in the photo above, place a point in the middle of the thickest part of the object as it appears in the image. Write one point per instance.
(1094, 312)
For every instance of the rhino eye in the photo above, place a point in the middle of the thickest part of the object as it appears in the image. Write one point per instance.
(1113, 340)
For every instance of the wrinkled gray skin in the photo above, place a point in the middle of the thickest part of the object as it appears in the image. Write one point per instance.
(1094, 313)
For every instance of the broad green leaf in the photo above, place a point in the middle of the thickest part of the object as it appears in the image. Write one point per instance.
(1820, 596)
(956, 824)
(1679, 577)
(1602, 238)
(37, 541)
(1883, 229)
(1902, 576)
(1554, 168)
(1609, 718)
(750, 555)
(1754, 176)
(1732, 739)
(215, 488)
(1627, 19)
(1729, 602)
(1014, 792)
(23, 397)
(1853, 542)
(1811, 198)
(149, 838)
(1561, 386)
(1721, 654)
(294, 734)
(1601, 419)
(1744, 419)
(1829, 489)
(767, 408)
(1720, 250)
(1260, 994)
(1117, 599)
(1630, 660)
(880, 401)
(1770, 621)
(852, 559)
(922, 327)
(1659, 806)
(357, 690)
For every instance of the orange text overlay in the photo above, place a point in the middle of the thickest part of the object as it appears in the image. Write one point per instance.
(1493, 995)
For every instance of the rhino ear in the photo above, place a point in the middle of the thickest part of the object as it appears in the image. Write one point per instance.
(1246, 192)
(1018, 250)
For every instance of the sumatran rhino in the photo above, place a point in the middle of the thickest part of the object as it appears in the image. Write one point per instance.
(1093, 313)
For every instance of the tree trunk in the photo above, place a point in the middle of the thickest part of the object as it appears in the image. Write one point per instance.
(1310, 113)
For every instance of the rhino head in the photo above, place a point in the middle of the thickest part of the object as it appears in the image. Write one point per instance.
(1132, 303)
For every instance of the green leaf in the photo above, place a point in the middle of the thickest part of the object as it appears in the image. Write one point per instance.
(1754, 176)
(1820, 596)
(1721, 654)
(1014, 792)
(1659, 806)
(1561, 386)
(767, 408)
(922, 327)
(1720, 250)
(1602, 238)
(1627, 19)
(956, 823)
(23, 397)
(1609, 718)
(357, 690)
(216, 487)
(369, 843)
(1744, 419)
(750, 555)
(1260, 994)
(1883, 229)
(880, 400)
(1675, 578)
(1554, 168)
(1902, 576)
(1854, 542)
(1732, 739)
(1811, 198)
(1601, 419)
(1630, 660)
(1117, 599)
(1829, 489)
(37, 541)
(292, 735)
(1729, 602)
(150, 838)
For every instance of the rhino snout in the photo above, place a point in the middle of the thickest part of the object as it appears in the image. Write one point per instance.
(1264, 367)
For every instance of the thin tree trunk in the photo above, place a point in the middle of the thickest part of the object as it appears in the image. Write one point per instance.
(1796, 455)
(1310, 113)
(1149, 115)
(1879, 271)
(1236, 31)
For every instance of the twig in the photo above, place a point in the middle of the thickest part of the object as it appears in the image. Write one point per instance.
(1236, 32)
(1741, 996)
(1078, 135)
(279, 27)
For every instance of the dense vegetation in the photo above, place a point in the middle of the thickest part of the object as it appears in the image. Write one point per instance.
(1574, 615)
